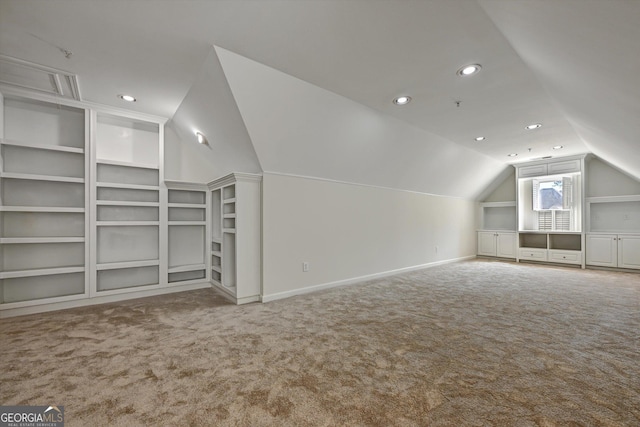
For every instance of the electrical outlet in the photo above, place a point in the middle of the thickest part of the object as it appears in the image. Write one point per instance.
(305, 266)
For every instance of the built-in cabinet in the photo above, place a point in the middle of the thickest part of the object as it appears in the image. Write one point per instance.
(43, 202)
(497, 233)
(85, 213)
(550, 206)
(564, 248)
(552, 221)
(235, 239)
(497, 244)
(613, 250)
(613, 239)
(127, 195)
(187, 225)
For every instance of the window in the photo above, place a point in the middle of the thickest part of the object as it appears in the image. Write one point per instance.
(552, 201)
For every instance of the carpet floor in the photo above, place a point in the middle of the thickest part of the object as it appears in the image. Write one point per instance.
(477, 343)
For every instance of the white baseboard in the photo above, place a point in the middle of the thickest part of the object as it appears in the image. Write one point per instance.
(42, 308)
(354, 280)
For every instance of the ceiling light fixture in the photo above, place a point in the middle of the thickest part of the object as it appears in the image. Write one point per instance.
(402, 100)
(201, 138)
(127, 98)
(480, 138)
(558, 147)
(534, 126)
(513, 154)
(469, 70)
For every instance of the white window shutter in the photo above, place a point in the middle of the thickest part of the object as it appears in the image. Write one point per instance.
(535, 197)
(567, 192)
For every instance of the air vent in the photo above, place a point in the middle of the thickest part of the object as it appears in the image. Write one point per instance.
(38, 78)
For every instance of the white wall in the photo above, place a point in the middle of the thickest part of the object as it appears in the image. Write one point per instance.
(210, 108)
(347, 231)
(605, 180)
(504, 191)
(301, 129)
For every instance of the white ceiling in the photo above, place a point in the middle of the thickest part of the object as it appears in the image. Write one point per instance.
(568, 64)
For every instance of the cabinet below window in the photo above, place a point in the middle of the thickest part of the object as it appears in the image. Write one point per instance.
(563, 248)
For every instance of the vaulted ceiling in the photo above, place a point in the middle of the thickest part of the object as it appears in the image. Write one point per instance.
(568, 64)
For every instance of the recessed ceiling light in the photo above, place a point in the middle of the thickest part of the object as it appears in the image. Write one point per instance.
(479, 138)
(127, 98)
(469, 70)
(402, 100)
(513, 154)
(201, 138)
(534, 126)
(558, 147)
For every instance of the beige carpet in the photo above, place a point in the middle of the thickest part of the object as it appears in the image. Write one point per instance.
(478, 343)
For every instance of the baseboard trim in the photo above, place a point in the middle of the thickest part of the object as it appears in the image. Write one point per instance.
(360, 279)
(42, 308)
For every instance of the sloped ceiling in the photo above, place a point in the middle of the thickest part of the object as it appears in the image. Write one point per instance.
(209, 108)
(567, 64)
(298, 128)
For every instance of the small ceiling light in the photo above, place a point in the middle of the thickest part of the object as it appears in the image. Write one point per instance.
(469, 70)
(558, 147)
(513, 154)
(201, 138)
(402, 100)
(534, 126)
(127, 98)
(479, 138)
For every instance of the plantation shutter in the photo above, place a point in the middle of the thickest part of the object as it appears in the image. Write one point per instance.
(567, 192)
(545, 220)
(535, 200)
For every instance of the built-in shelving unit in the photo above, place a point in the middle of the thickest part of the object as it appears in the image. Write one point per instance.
(497, 233)
(235, 236)
(613, 238)
(43, 202)
(127, 196)
(187, 213)
(550, 211)
(85, 213)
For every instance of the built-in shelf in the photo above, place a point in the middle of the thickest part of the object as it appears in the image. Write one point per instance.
(187, 206)
(231, 200)
(33, 177)
(127, 186)
(183, 268)
(21, 240)
(127, 203)
(216, 268)
(229, 230)
(41, 209)
(125, 164)
(216, 253)
(127, 264)
(126, 223)
(39, 272)
(187, 223)
(61, 148)
(229, 215)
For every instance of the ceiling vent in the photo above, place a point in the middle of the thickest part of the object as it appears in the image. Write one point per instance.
(38, 78)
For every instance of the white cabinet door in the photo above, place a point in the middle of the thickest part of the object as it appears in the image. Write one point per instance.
(506, 245)
(629, 251)
(602, 250)
(487, 243)
(534, 170)
(564, 167)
